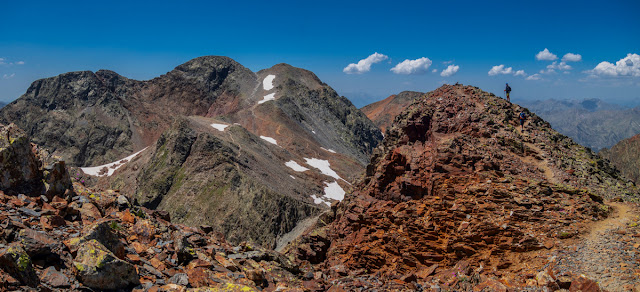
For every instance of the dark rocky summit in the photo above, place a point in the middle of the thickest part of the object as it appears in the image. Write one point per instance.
(233, 178)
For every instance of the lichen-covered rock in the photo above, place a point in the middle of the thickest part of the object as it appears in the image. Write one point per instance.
(19, 166)
(38, 243)
(15, 261)
(103, 232)
(99, 268)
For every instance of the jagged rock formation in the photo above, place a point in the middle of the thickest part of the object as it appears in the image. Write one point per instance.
(590, 122)
(26, 169)
(457, 194)
(221, 141)
(625, 156)
(383, 112)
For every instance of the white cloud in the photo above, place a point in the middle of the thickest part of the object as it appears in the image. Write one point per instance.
(416, 66)
(520, 73)
(450, 71)
(545, 55)
(569, 57)
(364, 65)
(434, 70)
(5, 76)
(548, 71)
(20, 63)
(559, 66)
(2, 61)
(500, 69)
(534, 77)
(627, 66)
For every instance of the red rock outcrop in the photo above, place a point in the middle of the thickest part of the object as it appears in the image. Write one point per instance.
(458, 194)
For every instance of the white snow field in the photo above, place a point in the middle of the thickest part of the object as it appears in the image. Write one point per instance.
(268, 97)
(269, 139)
(334, 191)
(219, 127)
(267, 84)
(111, 167)
(295, 166)
(323, 166)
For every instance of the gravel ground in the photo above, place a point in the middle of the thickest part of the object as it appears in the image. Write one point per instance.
(610, 253)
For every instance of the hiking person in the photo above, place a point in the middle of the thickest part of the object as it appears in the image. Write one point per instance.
(508, 90)
(522, 117)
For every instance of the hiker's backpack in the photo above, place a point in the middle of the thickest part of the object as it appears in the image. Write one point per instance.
(523, 116)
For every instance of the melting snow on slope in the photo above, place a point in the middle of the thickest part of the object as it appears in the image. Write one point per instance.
(111, 167)
(295, 166)
(334, 191)
(219, 127)
(269, 139)
(267, 84)
(268, 97)
(323, 166)
(318, 200)
(329, 150)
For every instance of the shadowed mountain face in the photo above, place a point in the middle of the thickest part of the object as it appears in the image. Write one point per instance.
(249, 153)
(625, 155)
(590, 122)
(457, 188)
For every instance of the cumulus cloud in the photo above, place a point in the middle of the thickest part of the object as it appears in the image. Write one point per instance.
(627, 66)
(2, 61)
(559, 66)
(569, 57)
(500, 69)
(534, 77)
(520, 73)
(545, 55)
(416, 66)
(20, 63)
(434, 70)
(451, 69)
(6, 76)
(364, 65)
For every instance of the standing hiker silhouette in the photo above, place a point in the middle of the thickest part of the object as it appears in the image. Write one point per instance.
(508, 90)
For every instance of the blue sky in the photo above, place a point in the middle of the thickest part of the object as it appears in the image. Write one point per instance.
(142, 40)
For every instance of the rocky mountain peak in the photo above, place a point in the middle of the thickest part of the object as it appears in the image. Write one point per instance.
(457, 189)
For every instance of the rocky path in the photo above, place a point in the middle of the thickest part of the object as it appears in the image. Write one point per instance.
(610, 252)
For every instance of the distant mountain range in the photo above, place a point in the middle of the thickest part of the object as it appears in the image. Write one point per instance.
(590, 122)
(251, 154)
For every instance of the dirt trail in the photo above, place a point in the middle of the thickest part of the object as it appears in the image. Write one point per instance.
(609, 253)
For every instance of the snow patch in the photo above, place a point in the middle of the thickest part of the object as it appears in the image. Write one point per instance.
(219, 127)
(269, 139)
(267, 84)
(312, 131)
(323, 166)
(319, 200)
(293, 177)
(268, 97)
(334, 191)
(328, 150)
(111, 167)
(295, 166)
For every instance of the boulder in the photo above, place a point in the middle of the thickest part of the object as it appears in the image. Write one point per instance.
(19, 165)
(16, 262)
(99, 268)
(104, 233)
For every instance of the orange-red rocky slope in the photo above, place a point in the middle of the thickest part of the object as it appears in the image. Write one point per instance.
(459, 197)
